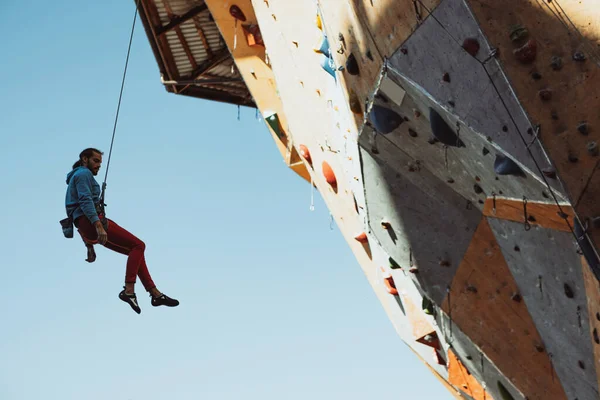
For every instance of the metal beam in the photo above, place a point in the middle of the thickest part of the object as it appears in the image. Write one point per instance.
(217, 59)
(177, 20)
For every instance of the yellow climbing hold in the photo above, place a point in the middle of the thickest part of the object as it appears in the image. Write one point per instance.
(319, 22)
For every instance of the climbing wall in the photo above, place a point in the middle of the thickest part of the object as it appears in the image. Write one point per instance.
(457, 173)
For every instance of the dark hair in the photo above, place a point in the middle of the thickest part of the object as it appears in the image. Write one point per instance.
(85, 153)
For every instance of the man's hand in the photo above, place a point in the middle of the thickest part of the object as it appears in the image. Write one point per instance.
(102, 235)
(91, 253)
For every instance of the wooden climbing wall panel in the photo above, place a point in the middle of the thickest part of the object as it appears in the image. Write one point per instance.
(391, 22)
(447, 385)
(557, 91)
(541, 214)
(481, 304)
(341, 21)
(460, 377)
(588, 206)
(251, 63)
(592, 289)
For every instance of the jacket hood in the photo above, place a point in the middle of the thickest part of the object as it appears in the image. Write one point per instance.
(71, 173)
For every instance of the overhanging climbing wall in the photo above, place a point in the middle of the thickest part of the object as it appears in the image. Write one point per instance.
(454, 142)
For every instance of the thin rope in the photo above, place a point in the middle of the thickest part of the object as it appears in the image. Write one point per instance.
(119, 103)
(548, 186)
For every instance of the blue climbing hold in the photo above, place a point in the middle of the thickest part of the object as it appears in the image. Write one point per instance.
(442, 132)
(324, 46)
(385, 120)
(327, 65)
(505, 166)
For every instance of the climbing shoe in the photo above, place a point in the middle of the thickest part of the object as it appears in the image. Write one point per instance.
(164, 300)
(130, 299)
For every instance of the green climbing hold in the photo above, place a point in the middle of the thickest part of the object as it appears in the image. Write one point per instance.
(273, 121)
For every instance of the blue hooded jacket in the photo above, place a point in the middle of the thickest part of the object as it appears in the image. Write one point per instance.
(83, 193)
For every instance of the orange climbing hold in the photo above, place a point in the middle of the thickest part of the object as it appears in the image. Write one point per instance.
(305, 153)
(329, 175)
(390, 285)
(362, 237)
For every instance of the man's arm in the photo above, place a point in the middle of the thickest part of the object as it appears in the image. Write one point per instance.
(83, 183)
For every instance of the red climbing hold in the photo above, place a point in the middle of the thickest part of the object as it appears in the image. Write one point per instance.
(471, 46)
(526, 53)
(329, 175)
(362, 237)
(237, 13)
(305, 153)
(390, 285)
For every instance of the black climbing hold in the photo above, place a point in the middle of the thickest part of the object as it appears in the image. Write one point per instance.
(352, 65)
(556, 63)
(539, 348)
(592, 148)
(237, 13)
(477, 189)
(451, 102)
(598, 316)
(393, 263)
(450, 180)
(596, 338)
(471, 46)
(568, 291)
(516, 297)
(554, 115)
(517, 248)
(588, 251)
(545, 195)
(485, 151)
(469, 358)
(536, 76)
(480, 201)
(432, 140)
(412, 133)
(578, 56)
(505, 166)
(504, 128)
(472, 289)
(530, 131)
(531, 218)
(504, 393)
(582, 127)
(369, 55)
(384, 119)
(573, 158)
(581, 364)
(441, 130)
(355, 105)
(446, 77)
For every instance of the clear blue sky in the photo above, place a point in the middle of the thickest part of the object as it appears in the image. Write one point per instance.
(273, 303)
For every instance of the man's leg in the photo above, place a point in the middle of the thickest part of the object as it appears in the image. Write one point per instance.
(121, 241)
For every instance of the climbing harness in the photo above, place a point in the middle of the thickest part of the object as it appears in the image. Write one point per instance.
(101, 204)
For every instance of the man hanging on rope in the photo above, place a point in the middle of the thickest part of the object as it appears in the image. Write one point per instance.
(84, 207)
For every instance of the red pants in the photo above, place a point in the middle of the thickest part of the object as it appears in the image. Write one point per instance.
(121, 241)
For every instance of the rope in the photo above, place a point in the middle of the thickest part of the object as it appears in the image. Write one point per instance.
(119, 103)
(561, 212)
